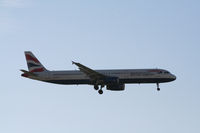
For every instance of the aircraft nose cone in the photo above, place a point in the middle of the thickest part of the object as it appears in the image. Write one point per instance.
(173, 77)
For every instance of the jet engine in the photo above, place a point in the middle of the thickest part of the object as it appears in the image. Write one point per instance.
(116, 87)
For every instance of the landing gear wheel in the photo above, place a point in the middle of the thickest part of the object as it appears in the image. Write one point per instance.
(158, 88)
(96, 87)
(100, 91)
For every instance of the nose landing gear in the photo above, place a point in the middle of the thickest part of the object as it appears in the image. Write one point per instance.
(158, 88)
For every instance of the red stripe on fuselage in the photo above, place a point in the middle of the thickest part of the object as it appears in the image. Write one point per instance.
(29, 57)
(38, 70)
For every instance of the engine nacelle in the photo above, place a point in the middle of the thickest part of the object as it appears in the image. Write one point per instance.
(116, 87)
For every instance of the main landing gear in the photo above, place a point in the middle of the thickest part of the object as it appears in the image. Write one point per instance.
(96, 87)
(158, 88)
(100, 91)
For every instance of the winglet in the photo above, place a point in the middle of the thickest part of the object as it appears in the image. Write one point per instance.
(74, 63)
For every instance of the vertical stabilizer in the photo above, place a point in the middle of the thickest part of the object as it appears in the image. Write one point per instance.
(33, 63)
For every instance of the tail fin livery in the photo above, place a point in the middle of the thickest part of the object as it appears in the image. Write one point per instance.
(33, 63)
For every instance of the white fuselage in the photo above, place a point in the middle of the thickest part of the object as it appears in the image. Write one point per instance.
(124, 75)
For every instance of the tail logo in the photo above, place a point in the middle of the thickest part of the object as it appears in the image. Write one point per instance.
(33, 63)
(30, 58)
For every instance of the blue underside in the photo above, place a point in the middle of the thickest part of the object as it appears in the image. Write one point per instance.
(121, 81)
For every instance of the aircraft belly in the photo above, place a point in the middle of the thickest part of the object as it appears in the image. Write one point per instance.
(124, 81)
(69, 82)
(145, 80)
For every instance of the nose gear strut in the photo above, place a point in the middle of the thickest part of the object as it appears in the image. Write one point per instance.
(158, 88)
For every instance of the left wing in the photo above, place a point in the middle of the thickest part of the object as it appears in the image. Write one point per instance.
(94, 75)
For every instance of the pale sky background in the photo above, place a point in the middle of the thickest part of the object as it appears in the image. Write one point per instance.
(102, 34)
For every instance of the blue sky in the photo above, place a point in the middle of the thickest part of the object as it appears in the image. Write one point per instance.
(102, 35)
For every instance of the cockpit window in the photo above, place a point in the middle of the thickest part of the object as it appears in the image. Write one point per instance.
(166, 72)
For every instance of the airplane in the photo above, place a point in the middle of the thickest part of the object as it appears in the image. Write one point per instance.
(114, 80)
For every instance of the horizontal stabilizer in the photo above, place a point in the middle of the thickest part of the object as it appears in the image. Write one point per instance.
(27, 73)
